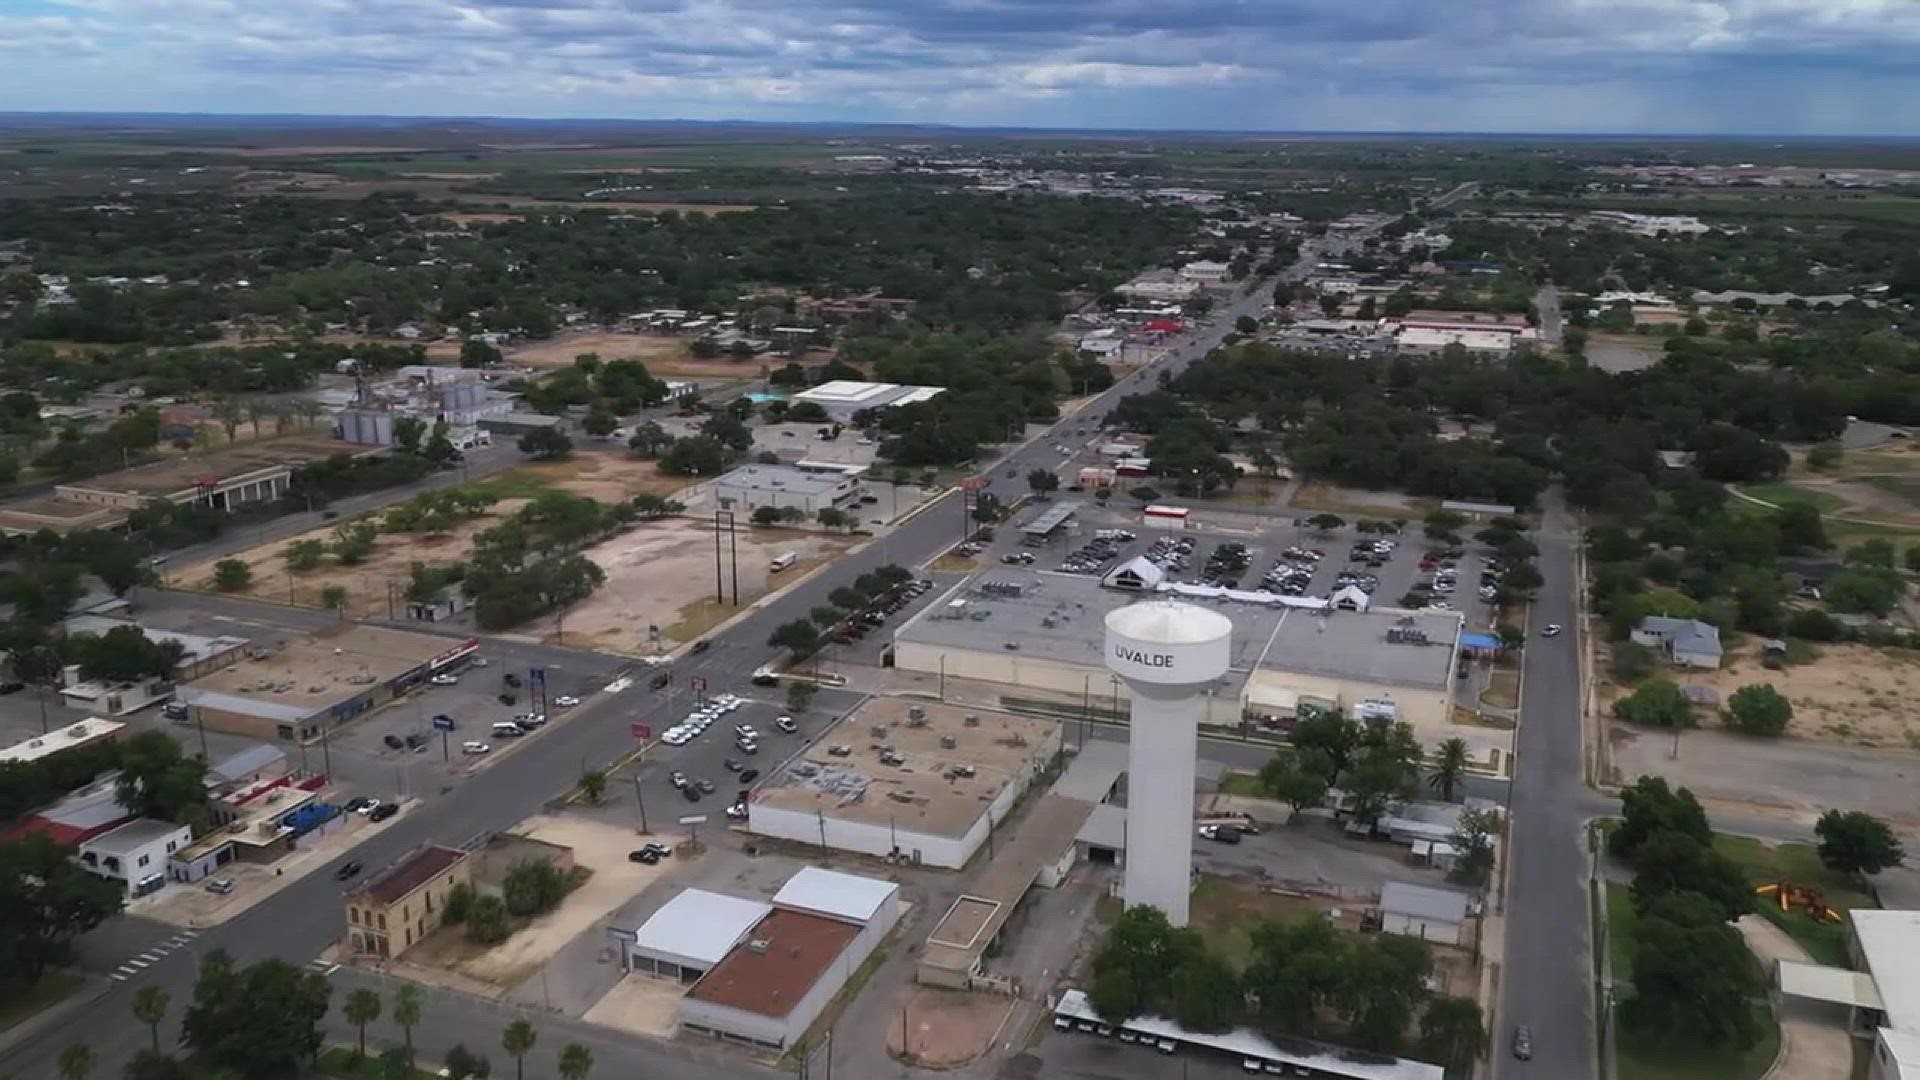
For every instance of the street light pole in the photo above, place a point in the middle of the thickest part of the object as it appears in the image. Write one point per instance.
(640, 796)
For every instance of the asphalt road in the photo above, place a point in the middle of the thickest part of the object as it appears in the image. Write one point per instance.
(1547, 978)
(306, 916)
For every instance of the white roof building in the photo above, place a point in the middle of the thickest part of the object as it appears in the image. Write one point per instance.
(842, 398)
(690, 934)
(836, 895)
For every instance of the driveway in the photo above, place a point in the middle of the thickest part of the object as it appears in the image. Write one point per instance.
(1814, 1044)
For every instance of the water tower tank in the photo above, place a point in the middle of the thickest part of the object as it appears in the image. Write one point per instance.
(1167, 653)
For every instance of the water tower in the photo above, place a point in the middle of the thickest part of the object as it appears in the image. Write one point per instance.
(1167, 653)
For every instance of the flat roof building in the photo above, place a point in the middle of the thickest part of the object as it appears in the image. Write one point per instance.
(135, 854)
(690, 934)
(80, 733)
(919, 781)
(770, 988)
(843, 398)
(200, 656)
(1039, 630)
(292, 691)
(750, 487)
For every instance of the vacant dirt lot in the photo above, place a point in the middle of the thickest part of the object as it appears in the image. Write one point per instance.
(653, 350)
(1336, 499)
(1785, 778)
(596, 470)
(371, 585)
(661, 574)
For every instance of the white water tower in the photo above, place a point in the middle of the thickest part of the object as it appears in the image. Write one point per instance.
(1167, 653)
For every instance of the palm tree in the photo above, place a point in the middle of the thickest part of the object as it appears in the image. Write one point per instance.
(150, 1007)
(516, 1041)
(362, 1008)
(406, 1011)
(1449, 767)
(576, 1062)
(75, 1062)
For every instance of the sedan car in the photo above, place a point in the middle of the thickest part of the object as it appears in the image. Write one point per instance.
(1523, 1043)
(748, 776)
(394, 742)
(444, 680)
(348, 870)
(677, 778)
(565, 701)
(733, 764)
(1220, 834)
(786, 724)
(705, 785)
(384, 811)
(472, 746)
(1552, 630)
(357, 804)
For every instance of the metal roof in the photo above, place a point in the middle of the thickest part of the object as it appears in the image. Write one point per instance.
(1823, 983)
(1050, 519)
(1433, 905)
(250, 760)
(132, 836)
(1095, 769)
(699, 926)
(1106, 827)
(1889, 940)
(829, 892)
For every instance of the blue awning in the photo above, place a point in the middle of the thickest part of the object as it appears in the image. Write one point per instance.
(1479, 641)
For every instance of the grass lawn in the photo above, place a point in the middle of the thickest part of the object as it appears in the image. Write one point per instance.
(339, 1061)
(1242, 783)
(1225, 914)
(1723, 1063)
(1620, 923)
(52, 988)
(1785, 494)
(1825, 942)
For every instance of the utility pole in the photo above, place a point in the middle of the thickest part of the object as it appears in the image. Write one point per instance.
(719, 584)
(640, 796)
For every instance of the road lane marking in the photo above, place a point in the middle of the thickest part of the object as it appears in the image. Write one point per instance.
(137, 965)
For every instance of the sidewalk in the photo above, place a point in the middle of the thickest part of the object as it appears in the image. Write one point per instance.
(1814, 1044)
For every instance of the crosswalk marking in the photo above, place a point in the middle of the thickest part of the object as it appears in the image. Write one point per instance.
(138, 965)
(117, 977)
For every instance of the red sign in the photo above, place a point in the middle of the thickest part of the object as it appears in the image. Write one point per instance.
(974, 483)
(642, 732)
(699, 684)
(458, 652)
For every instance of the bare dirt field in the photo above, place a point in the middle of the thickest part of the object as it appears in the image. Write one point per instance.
(597, 471)
(371, 585)
(664, 355)
(463, 218)
(596, 846)
(661, 574)
(1336, 499)
(948, 1027)
(1785, 778)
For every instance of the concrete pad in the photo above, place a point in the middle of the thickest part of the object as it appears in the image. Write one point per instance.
(941, 1029)
(1814, 1044)
(641, 1005)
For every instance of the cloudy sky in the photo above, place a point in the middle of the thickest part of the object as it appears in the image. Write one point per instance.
(1768, 66)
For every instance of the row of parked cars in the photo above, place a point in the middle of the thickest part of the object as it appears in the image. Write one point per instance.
(700, 719)
(876, 616)
(1099, 550)
(1225, 564)
(1292, 573)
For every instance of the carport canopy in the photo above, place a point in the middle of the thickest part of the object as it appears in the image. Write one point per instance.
(1820, 982)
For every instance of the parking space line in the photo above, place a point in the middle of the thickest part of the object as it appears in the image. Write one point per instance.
(137, 965)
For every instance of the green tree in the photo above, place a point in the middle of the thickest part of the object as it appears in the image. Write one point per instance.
(1453, 1034)
(1133, 969)
(361, 1008)
(800, 695)
(546, 444)
(576, 1061)
(649, 440)
(262, 1022)
(1759, 709)
(1043, 481)
(593, 785)
(76, 1062)
(488, 922)
(532, 886)
(1294, 970)
(475, 353)
(1474, 839)
(832, 517)
(1857, 843)
(150, 1007)
(123, 654)
(600, 422)
(154, 1065)
(1326, 523)
(459, 903)
(1656, 703)
(1449, 767)
(304, 555)
(1670, 862)
(1878, 551)
(1693, 977)
(1871, 589)
(1443, 523)
(1649, 806)
(334, 598)
(396, 1063)
(409, 433)
(517, 1040)
(157, 780)
(46, 901)
(1206, 994)
(1825, 457)
(406, 1011)
(232, 575)
(798, 637)
(1801, 528)
(1297, 778)
(1336, 738)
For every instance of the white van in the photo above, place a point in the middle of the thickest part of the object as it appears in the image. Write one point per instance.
(507, 729)
(783, 560)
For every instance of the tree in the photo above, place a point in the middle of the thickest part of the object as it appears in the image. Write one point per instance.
(406, 1011)
(1206, 994)
(1825, 457)
(334, 598)
(158, 781)
(1648, 806)
(262, 1022)
(696, 455)
(1043, 482)
(1474, 838)
(1246, 324)
(464, 1064)
(1439, 523)
(1671, 862)
(409, 433)
(799, 637)
(304, 555)
(517, 1040)
(1326, 523)
(396, 1063)
(1145, 493)
(46, 901)
(1758, 709)
(1133, 969)
(649, 439)
(600, 422)
(546, 444)
(1294, 970)
(232, 575)
(354, 541)
(832, 517)
(476, 353)
(123, 654)
(150, 1007)
(1693, 977)
(154, 1065)
(1297, 778)
(488, 922)
(593, 785)
(800, 695)
(1332, 735)
(1449, 767)
(576, 1061)
(361, 1008)
(1878, 551)
(1453, 1034)
(1656, 703)
(1871, 589)
(1857, 843)
(533, 886)
(76, 1062)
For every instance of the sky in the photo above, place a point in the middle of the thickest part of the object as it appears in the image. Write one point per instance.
(1792, 67)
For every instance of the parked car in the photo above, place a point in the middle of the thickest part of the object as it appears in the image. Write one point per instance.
(444, 680)
(220, 885)
(367, 805)
(643, 855)
(705, 785)
(659, 682)
(507, 699)
(700, 647)
(511, 680)
(748, 776)
(733, 764)
(1523, 1043)
(1552, 630)
(1220, 834)
(786, 725)
(737, 812)
(692, 792)
(393, 742)
(357, 804)
(474, 747)
(677, 778)
(384, 811)
(348, 870)
(12, 686)
(565, 701)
